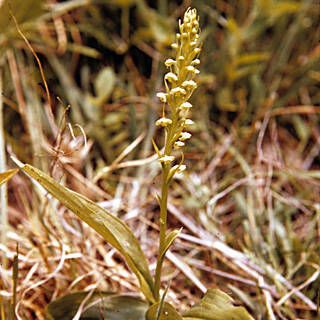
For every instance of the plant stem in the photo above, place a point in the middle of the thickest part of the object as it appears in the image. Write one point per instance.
(163, 227)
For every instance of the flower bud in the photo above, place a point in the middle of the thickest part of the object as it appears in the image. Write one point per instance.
(194, 31)
(170, 62)
(190, 68)
(178, 144)
(178, 91)
(166, 159)
(170, 76)
(185, 136)
(185, 106)
(163, 122)
(162, 97)
(189, 84)
(174, 46)
(188, 122)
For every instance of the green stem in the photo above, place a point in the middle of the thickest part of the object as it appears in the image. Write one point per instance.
(163, 228)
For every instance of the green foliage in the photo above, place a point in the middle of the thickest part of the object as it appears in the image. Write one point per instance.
(103, 306)
(216, 305)
(164, 311)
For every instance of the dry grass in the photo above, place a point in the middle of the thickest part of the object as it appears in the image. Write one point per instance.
(249, 204)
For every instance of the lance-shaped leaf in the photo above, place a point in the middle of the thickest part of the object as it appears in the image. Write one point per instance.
(112, 229)
(99, 305)
(7, 175)
(216, 305)
(170, 237)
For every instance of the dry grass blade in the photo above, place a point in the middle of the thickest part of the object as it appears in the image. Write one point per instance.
(249, 197)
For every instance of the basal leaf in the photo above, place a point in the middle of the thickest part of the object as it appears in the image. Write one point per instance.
(99, 306)
(7, 175)
(112, 229)
(216, 305)
(167, 312)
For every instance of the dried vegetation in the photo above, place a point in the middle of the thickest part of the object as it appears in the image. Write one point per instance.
(78, 81)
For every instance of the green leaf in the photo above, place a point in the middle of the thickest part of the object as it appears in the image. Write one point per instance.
(170, 237)
(156, 148)
(102, 306)
(7, 175)
(216, 305)
(167, 312)
(112, 229)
